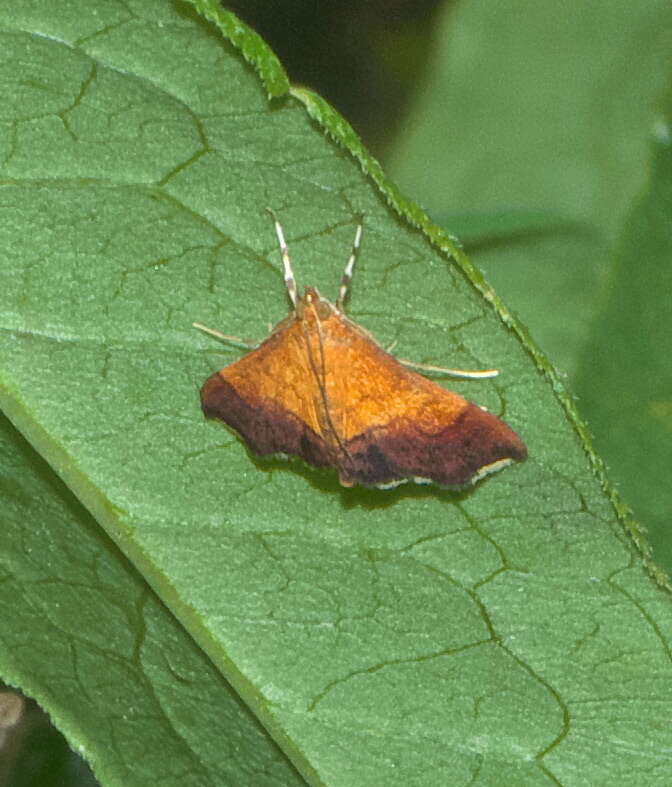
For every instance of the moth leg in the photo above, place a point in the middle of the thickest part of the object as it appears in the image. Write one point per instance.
(224, 337)
(476, 374)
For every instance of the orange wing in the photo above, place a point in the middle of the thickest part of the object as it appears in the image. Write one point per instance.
(268, 397)
(395, 424)
(320, 388)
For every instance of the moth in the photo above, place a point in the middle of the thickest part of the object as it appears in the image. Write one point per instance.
(321, 388)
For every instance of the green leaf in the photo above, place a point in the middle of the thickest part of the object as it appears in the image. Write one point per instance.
(531, 112)
(477, 230)
(537, 111)
(253, 48)
(416, 636)
(86, 637)
(625, 378)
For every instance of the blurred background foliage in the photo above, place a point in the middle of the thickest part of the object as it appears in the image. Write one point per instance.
(33, 753)
(540, 135)
(366, 57)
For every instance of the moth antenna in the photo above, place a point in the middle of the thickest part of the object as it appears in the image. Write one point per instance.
(346, 278)
(290, 281)
(223, 337)
(476, 374)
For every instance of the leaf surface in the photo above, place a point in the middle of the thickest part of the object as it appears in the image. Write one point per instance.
(84, 635)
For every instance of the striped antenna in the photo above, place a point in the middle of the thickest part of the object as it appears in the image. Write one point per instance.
(290, 281)
(349, 268)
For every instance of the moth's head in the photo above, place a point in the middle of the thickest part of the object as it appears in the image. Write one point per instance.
(312, 303)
